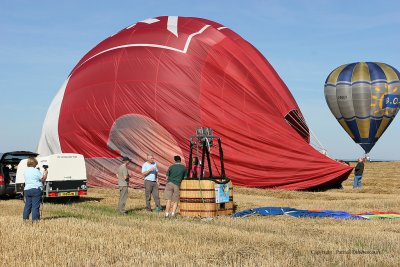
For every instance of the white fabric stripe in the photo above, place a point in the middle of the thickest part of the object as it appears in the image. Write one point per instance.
(191, 36)
(149, 45)
(221, 28)
(150, 21)
(147, 21)
(133, 25)
(49, 140)
(172, 25)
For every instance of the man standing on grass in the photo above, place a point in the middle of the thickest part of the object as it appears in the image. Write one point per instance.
(358, 172)
(123, 181)
(175, 174)
(149, 172)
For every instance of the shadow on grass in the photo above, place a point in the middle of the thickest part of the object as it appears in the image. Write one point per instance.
(143, 209)
(62, 215)
(142, 212)
(135, 210)
(71, 200)
(10, 197)
(59, 217)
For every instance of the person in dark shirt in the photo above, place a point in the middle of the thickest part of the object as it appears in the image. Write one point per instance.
(358, 173)
(175, 174)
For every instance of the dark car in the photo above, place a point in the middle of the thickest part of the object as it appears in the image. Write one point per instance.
(8, 170)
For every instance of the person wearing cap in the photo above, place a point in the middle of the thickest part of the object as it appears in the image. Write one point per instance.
(175, 174)
(123, 181)
(149, 172)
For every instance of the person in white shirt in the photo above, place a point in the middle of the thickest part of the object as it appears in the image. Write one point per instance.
(149, 172)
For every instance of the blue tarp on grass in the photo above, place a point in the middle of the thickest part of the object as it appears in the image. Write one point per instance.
(271, 211)
(263, 211)
(323, 214)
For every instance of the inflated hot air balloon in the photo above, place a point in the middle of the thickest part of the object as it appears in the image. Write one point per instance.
(364, 98)
(148, 87)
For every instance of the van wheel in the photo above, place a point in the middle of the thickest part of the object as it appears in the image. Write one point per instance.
(21, 196)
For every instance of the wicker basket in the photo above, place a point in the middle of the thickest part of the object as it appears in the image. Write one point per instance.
(197, 199)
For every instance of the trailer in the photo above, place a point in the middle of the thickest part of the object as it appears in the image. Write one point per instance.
(66, 175)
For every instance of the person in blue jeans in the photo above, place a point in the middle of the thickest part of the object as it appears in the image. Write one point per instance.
(34, 180)
(358, 172)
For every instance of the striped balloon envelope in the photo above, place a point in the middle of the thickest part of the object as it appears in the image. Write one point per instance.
(364, 98)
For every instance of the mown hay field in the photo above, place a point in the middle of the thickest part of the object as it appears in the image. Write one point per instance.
(90, 232)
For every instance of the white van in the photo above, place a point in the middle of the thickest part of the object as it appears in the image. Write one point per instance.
(66, 175)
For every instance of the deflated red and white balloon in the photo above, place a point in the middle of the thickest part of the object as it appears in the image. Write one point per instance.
(147, 88)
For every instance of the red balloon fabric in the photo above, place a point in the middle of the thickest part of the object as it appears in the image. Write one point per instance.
(147, 88)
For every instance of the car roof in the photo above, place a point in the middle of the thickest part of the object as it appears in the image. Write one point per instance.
(18, 153)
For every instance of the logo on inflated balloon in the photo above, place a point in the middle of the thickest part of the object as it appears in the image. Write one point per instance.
(390, 101)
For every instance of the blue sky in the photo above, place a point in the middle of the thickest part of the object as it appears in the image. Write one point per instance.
(41, 41)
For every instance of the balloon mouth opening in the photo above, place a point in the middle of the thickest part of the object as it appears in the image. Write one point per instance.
(297, 122)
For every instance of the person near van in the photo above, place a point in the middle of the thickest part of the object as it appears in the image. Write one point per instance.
(149, 172)
(123, 182)
(175, 174)
(34, 180)
(6, 173)
(358, 173)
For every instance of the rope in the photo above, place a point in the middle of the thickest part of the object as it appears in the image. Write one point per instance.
(302, 129)
(198, 176)
(299, 130)
(319, 143)
(219, 174)
(306, 131)
(201, 193)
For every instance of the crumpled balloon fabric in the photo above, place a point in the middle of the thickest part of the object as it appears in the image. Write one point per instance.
(147, 88)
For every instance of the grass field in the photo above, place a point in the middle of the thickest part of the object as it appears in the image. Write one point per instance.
(90, 232)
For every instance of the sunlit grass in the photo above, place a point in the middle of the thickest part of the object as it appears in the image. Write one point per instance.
(91, 232)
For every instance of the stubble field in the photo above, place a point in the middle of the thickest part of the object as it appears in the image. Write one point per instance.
(90, 232)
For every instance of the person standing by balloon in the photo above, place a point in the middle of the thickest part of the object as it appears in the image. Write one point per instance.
(150, 173)
(176, 173)
(195, 172)
(123, 181)
(34, 180)
(358, 173)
